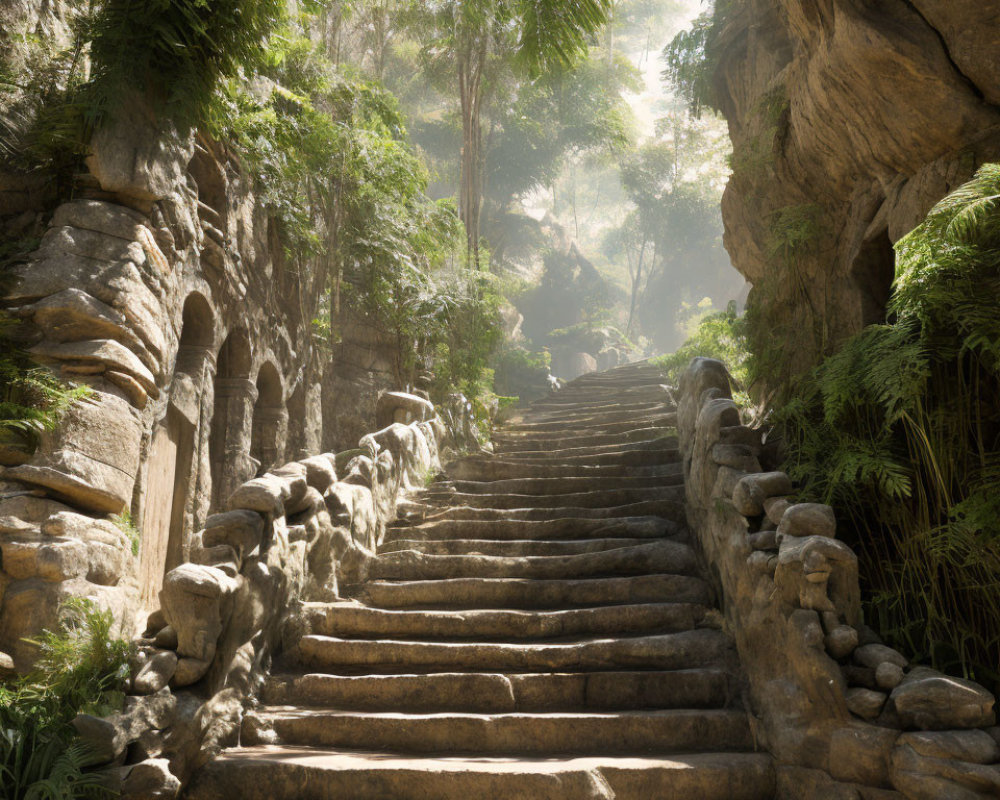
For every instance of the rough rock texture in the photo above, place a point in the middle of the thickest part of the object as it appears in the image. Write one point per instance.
(831, 699)
(852, 118)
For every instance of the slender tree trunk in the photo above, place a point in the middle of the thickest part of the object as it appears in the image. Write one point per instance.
(471, 62)
(636, 281)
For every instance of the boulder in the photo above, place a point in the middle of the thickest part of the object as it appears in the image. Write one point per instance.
(807, 519)
(155, 673)
(320, 471)
(752, 490)
(401, 407)
(946, 765)
(150, 780)
(107, 737)
(872, 655)
(92, 457)
(243, 530)
(865, 703)
(929, 700)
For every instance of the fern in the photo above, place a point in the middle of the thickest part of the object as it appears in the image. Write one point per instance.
(901, 431)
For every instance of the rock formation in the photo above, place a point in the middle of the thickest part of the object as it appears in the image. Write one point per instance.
(849, 121)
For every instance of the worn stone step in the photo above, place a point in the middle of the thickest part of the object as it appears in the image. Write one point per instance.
(557, 485)
(701, 647)
(669, 509)
(635, 527)
(511, 549)
(270, 772)
(348, 619)
(557, 422)
(662, 440)
(496, 692)
(527, 593)
(562, 444)
(601, 498)
(584, 427)
(598, 400)
(658, 556)
(557, 733)
(496, 468)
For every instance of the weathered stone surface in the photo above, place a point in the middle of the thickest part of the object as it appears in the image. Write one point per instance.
(242, 530)
(946, 765)
(150, 780)
(266, 495)
(195, 600)
(775, 507)
(737, 456)
(873, 655)
(320, 471)
(888, 676)
(807, 519)
(107, 737)
(751, 492)
(155, 673)
(92, 457)
(841, 641)
(927, 699)
(865, 703)
(110, 353)
(414, 408)
(819, 573)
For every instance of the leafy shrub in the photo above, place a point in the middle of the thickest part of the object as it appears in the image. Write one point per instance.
(900, 431)
(82, 667)
(720, 335)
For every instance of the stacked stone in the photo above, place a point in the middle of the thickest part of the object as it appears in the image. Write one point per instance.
(839, 708)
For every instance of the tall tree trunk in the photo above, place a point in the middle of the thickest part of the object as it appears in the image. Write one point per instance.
(636, 281)
(471, 62)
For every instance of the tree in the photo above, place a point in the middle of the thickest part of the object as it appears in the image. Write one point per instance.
(480, 38)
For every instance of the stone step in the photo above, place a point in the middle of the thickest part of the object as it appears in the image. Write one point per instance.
(524, 593)
(346, 619)
(632, 527)
(661, 732)
(564, 443)
(701, 647)
(669, 509)
(498, 468)
(556, 485)
(659, 556)
(599, 399)
(564, 455)
(269, 772)
(551, 430)
(602, 498)
(510, 549)
(492, 693)
(556, 422)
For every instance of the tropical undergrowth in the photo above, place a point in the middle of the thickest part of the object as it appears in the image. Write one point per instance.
(900, 432)
(720, 335)
(82, 667)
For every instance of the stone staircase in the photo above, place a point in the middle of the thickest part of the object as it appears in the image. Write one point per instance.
(540, 631)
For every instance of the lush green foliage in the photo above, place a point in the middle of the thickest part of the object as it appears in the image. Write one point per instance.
(692, 56)
(82, 667)
(719, 335)
(174, 51)
(900, 431)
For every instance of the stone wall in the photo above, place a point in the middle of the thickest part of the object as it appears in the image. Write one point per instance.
(297, 533)
(162, 287)
(849, 121)
(844, 715)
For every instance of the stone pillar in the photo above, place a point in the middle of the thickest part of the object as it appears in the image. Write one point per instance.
(230, 437)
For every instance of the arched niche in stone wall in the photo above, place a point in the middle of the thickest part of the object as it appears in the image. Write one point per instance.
(172, 467)
(235, 398)
(270, 420)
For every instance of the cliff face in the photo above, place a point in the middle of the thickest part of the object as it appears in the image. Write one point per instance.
(850, 120)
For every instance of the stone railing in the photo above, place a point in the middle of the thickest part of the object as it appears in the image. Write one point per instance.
(844, 715)
(296, 533)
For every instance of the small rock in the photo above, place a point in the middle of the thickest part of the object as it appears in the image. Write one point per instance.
(752, 490)
(775, 507)
(929, 700)
(763, 540)
(6, 665)
(725, 481)
(155, 673)
(150, 780)
(737, 456)
(977, 747)
(888, 676)
(242, 530)
(871, 655)
(320, 472)
(155, 621)
(859, 676)
(807, 519)
(166, 638)
(190, 670)
(841, 641)
(103, 739)
(865, 703)
(266, 494)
